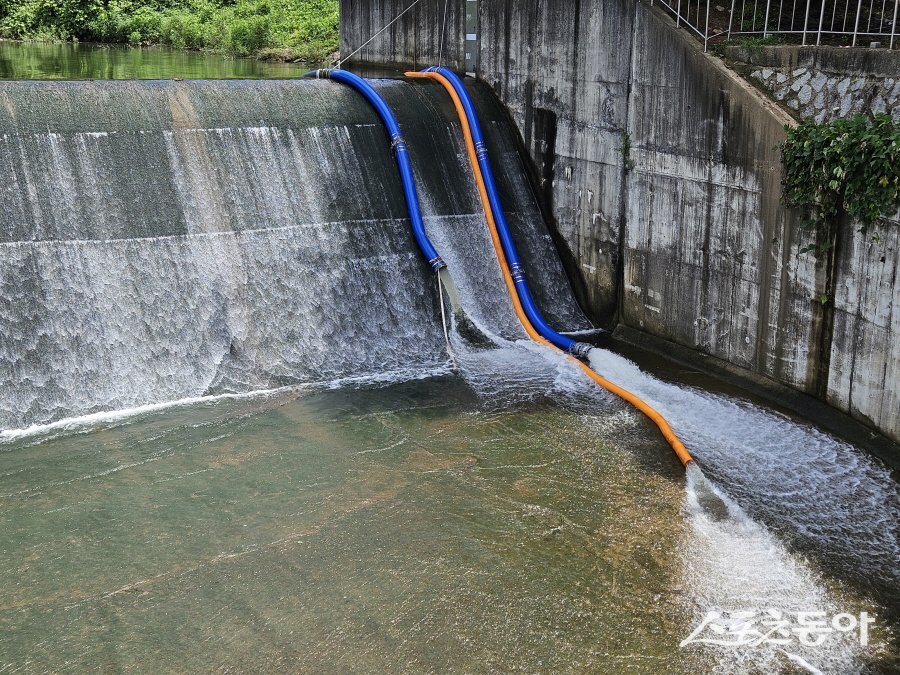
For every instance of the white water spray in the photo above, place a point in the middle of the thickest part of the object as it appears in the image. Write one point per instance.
(781, 469)
(735, 567)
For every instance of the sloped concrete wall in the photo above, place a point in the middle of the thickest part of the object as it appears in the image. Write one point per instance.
(658, 169)
(711, 257)
(563, 69)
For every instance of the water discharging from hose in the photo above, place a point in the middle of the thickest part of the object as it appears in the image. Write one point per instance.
(732, 562)
(738, 570)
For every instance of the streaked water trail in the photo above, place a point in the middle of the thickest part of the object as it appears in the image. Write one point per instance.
(736, 568)
(806, 492)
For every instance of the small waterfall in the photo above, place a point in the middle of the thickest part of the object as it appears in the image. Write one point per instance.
(165, 242)
(170, 240)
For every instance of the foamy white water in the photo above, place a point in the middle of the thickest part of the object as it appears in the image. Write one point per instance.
(247, 251)
(735, 567)
(106, 418)
(135, 287)
(823, 490)
(812, 487)
(111, 418)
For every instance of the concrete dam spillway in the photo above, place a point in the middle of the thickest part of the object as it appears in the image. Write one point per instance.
(167, 240)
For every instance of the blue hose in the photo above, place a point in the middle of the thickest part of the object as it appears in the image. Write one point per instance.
(509, 247)
(400, 153)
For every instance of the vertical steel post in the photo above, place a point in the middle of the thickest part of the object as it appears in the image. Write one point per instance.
(706, 29)
(806, 22)
(766, 20)
(856, 23)
(731, 17)
(894, 24)
(821, 19)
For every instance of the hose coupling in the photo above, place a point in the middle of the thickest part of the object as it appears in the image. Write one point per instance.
(398, 144)
(580, 350)
(517, 272)
(320, 73)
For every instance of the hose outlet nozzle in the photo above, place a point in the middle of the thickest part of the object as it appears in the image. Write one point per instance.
(580, 350)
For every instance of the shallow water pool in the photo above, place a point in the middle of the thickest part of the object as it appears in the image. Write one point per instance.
(434, 525)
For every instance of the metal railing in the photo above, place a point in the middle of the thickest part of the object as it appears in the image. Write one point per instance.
(843, 22)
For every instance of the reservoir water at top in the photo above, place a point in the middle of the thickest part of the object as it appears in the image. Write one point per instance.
(81, 61)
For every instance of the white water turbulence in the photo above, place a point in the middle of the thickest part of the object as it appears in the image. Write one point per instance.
(94, 323)
(165, 241)
(736, 569)
(261, 245)
(784, 480)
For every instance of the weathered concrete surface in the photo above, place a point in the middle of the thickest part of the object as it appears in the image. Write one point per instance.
(864, 374)
(658, 169)
(824, 83)
(710, 256)
(567, 90)
(707, 239)
(415, 38)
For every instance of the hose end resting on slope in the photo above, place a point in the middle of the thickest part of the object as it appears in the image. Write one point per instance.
(580, 350)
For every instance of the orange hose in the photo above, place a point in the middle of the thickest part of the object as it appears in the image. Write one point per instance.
(683, 455)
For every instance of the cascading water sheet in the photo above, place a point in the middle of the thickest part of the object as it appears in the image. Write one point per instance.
(160, 242)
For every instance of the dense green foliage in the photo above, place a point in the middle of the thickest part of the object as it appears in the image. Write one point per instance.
(303, 29)
(849, 166)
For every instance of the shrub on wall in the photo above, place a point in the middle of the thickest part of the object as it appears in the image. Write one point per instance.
(846, 167)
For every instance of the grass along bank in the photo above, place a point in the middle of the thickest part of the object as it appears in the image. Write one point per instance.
(289, 30)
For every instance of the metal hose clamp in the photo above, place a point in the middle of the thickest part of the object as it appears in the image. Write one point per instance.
(580, 350)
(398, 143)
